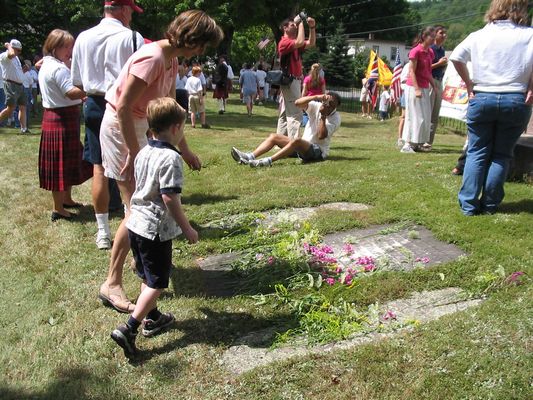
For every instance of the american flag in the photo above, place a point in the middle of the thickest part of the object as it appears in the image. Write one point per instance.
(374, 76)
(396, 84)
(262, 44)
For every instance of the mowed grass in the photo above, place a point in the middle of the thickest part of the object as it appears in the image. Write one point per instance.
(55, 335)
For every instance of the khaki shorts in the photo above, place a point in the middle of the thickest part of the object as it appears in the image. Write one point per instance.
(114, 149)
(15, 94)
(195, 106)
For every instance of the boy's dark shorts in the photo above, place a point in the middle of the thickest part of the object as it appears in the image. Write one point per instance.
(312, 154)
(153, 260)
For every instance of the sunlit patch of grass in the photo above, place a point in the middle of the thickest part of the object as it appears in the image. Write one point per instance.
(55, 334)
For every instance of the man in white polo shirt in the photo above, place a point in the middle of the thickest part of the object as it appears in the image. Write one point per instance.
(13, 77)
(98, 56)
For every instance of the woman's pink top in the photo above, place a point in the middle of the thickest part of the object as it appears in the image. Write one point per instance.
(424, 59)
(148, 64)
(316, 90)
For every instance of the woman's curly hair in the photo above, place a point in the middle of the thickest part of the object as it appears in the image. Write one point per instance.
(194, 28)
(514, 10)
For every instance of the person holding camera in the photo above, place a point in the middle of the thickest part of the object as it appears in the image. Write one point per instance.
(290, 49)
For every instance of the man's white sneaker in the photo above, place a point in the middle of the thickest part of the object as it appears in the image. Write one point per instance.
(240, 156)
(103, 241)
(262, 162)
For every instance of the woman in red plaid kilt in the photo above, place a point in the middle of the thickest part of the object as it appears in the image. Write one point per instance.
(60, 152)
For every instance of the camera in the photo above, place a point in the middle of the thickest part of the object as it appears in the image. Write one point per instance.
(301, 17)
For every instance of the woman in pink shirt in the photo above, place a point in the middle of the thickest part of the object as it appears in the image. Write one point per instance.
(314, 84)
(418, 106)
(148, 74)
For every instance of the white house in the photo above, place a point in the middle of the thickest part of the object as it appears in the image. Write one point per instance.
(385, 48)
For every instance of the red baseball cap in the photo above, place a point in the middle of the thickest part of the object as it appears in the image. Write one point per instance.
(130, 3)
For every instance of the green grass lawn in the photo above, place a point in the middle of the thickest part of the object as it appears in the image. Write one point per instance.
(55, 334)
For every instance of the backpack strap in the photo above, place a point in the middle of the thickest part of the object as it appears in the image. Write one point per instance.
(134, 39)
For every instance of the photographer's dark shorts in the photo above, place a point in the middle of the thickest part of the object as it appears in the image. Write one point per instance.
(312, 154)
(93, 112)
(15, 94)
(153, 260)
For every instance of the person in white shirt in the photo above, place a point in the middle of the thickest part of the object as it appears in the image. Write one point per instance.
(98, 57)
(324, 120)
(13, 77)
(203, 81)
(2, 95)
(34, 88)
(384, 101)
(196, 97)
(261, 75)
(60, 151)
(500, 93)
(27, 84)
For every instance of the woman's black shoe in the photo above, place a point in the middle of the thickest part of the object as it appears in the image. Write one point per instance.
(75, 205)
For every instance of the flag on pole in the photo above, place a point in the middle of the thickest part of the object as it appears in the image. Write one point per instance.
(396, 84)
(372, 69)
(262, 44)
(372, 73)
(385, 75)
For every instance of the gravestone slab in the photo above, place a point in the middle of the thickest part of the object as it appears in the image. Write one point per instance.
(396, 247)
(289, 215)
(247, 352)
(292, 215)
(400, 248)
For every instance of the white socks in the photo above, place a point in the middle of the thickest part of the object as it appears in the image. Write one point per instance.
(102, 221)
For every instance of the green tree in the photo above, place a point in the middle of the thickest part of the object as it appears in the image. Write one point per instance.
(337, 64)
(311, 56)
(363, 17)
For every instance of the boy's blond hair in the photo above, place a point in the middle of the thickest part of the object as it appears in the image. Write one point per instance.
(162, 113)
(196, 70)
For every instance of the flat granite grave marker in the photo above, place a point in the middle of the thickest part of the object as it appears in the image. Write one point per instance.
(247, 352)
(400, 248)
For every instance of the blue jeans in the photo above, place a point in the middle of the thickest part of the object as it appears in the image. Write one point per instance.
(495, 121)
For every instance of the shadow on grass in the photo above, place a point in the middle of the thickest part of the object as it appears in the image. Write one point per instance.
(218, 279)
(86, 214)
(517, 207)
(445, 150)
(201, 198)
(70, 384)
(220, 328)
(344, 158)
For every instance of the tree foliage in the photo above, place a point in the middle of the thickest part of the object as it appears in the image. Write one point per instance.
(337, 64)
(244, 22)
(362, 17)
(459, 16)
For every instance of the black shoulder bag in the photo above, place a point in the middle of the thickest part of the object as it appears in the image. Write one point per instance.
(281, 76)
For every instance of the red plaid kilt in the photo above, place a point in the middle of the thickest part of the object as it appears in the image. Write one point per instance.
(221, 91)
(60, 151)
